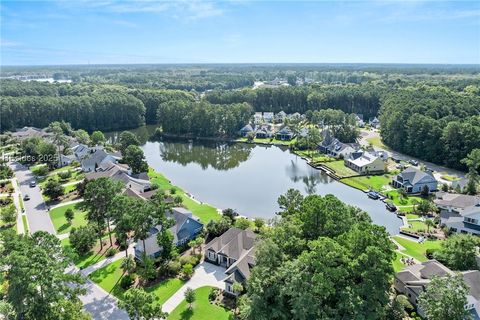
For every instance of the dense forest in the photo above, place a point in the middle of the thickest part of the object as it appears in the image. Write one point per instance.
(432, 123)
(428, 111)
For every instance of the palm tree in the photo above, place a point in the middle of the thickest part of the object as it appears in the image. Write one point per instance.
(429, 223)
(192, 244)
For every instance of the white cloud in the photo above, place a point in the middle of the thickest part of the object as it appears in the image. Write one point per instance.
(8, 43)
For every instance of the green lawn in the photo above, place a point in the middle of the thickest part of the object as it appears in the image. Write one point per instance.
(397, 264)
(314, 156)
(269, 141)
(449, 177)
(394, 196)
(76, 176)
(368, 182)
(84, 261)
(377, 142)
(412, 216)
(25, 223)
(339, 167)
(203, 211)
(416, 226)
(165, 289)
(415, 249)
(109, 278)
(60, 223)
(201, 309)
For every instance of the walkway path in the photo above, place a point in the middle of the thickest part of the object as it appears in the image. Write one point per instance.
(18, 207)
(35, 208)
(206, 274)
(107, 261)
(61, 204)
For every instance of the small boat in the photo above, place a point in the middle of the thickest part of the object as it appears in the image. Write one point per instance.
(373, 195)
(390, 206)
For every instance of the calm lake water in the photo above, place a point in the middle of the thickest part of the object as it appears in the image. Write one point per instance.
(249, 178)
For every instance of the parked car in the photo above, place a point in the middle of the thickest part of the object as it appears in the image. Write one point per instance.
(26, 197)
(33, 184)
(390, 206)
(373, 195)
(413, 162)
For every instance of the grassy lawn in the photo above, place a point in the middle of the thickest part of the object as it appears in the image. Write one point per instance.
(416, 226)
(377, 142)
(313, 155)
(417, 250)
(394, 196)
(269, 141)
(397, 264)
(25, 223)
(203, 211)
(86, 260)
(76, 176)
(368, 182)
(60, 222)
(412, 216)
(165, 289)
(201, 308)
(339, 167)
(70, 188)
(449, 177)
(109, 278)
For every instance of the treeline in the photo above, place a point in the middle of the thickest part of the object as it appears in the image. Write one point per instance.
(202, 119)
(363, 99)
(432, 123)
(103, 111)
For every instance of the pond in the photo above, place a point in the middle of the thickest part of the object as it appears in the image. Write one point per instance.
(250, 178)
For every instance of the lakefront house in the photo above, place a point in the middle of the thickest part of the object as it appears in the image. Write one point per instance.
(413, 180)
(235, 251)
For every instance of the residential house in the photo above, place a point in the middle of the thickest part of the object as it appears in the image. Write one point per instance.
(280, 117)
(66, 160)
(30, 132)
(94, 158)
(366, 163)
(295, 116)
(303, 132)
(246, 130)
(460, 184)
(460, 213)
(359, 120)
(139, 183)
(414, 279)
(265, 131)
(268, 117)
(258, 118)
(333, 147)
(186, 227)
(285, 134)
(233, 250)
(374, 122)
(413, 180)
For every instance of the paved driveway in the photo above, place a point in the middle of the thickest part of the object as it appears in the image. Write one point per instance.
(206, 274)
(35, 208)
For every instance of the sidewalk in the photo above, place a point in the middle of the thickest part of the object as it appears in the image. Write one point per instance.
(65, 203)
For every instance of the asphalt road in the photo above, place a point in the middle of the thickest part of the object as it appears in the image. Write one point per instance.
(35, 208)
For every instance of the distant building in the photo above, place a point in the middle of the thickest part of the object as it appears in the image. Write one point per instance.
(460, 213)
(414, 279)
(30, 132)
(258, 118)
(285, 134)
(333, 147)
(280, 117)
(268, 117)
(413, 180)
(265, 131)
(246, 130)
(374, 122)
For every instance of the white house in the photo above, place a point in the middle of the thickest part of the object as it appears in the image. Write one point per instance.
(365, 163)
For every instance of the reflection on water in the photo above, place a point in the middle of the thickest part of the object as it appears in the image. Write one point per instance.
(250, 178)
(220, 156)
(246, 177)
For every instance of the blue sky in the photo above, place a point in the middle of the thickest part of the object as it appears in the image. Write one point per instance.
(103, 31)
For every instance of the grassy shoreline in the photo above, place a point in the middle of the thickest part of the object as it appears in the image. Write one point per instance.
(202, 210)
